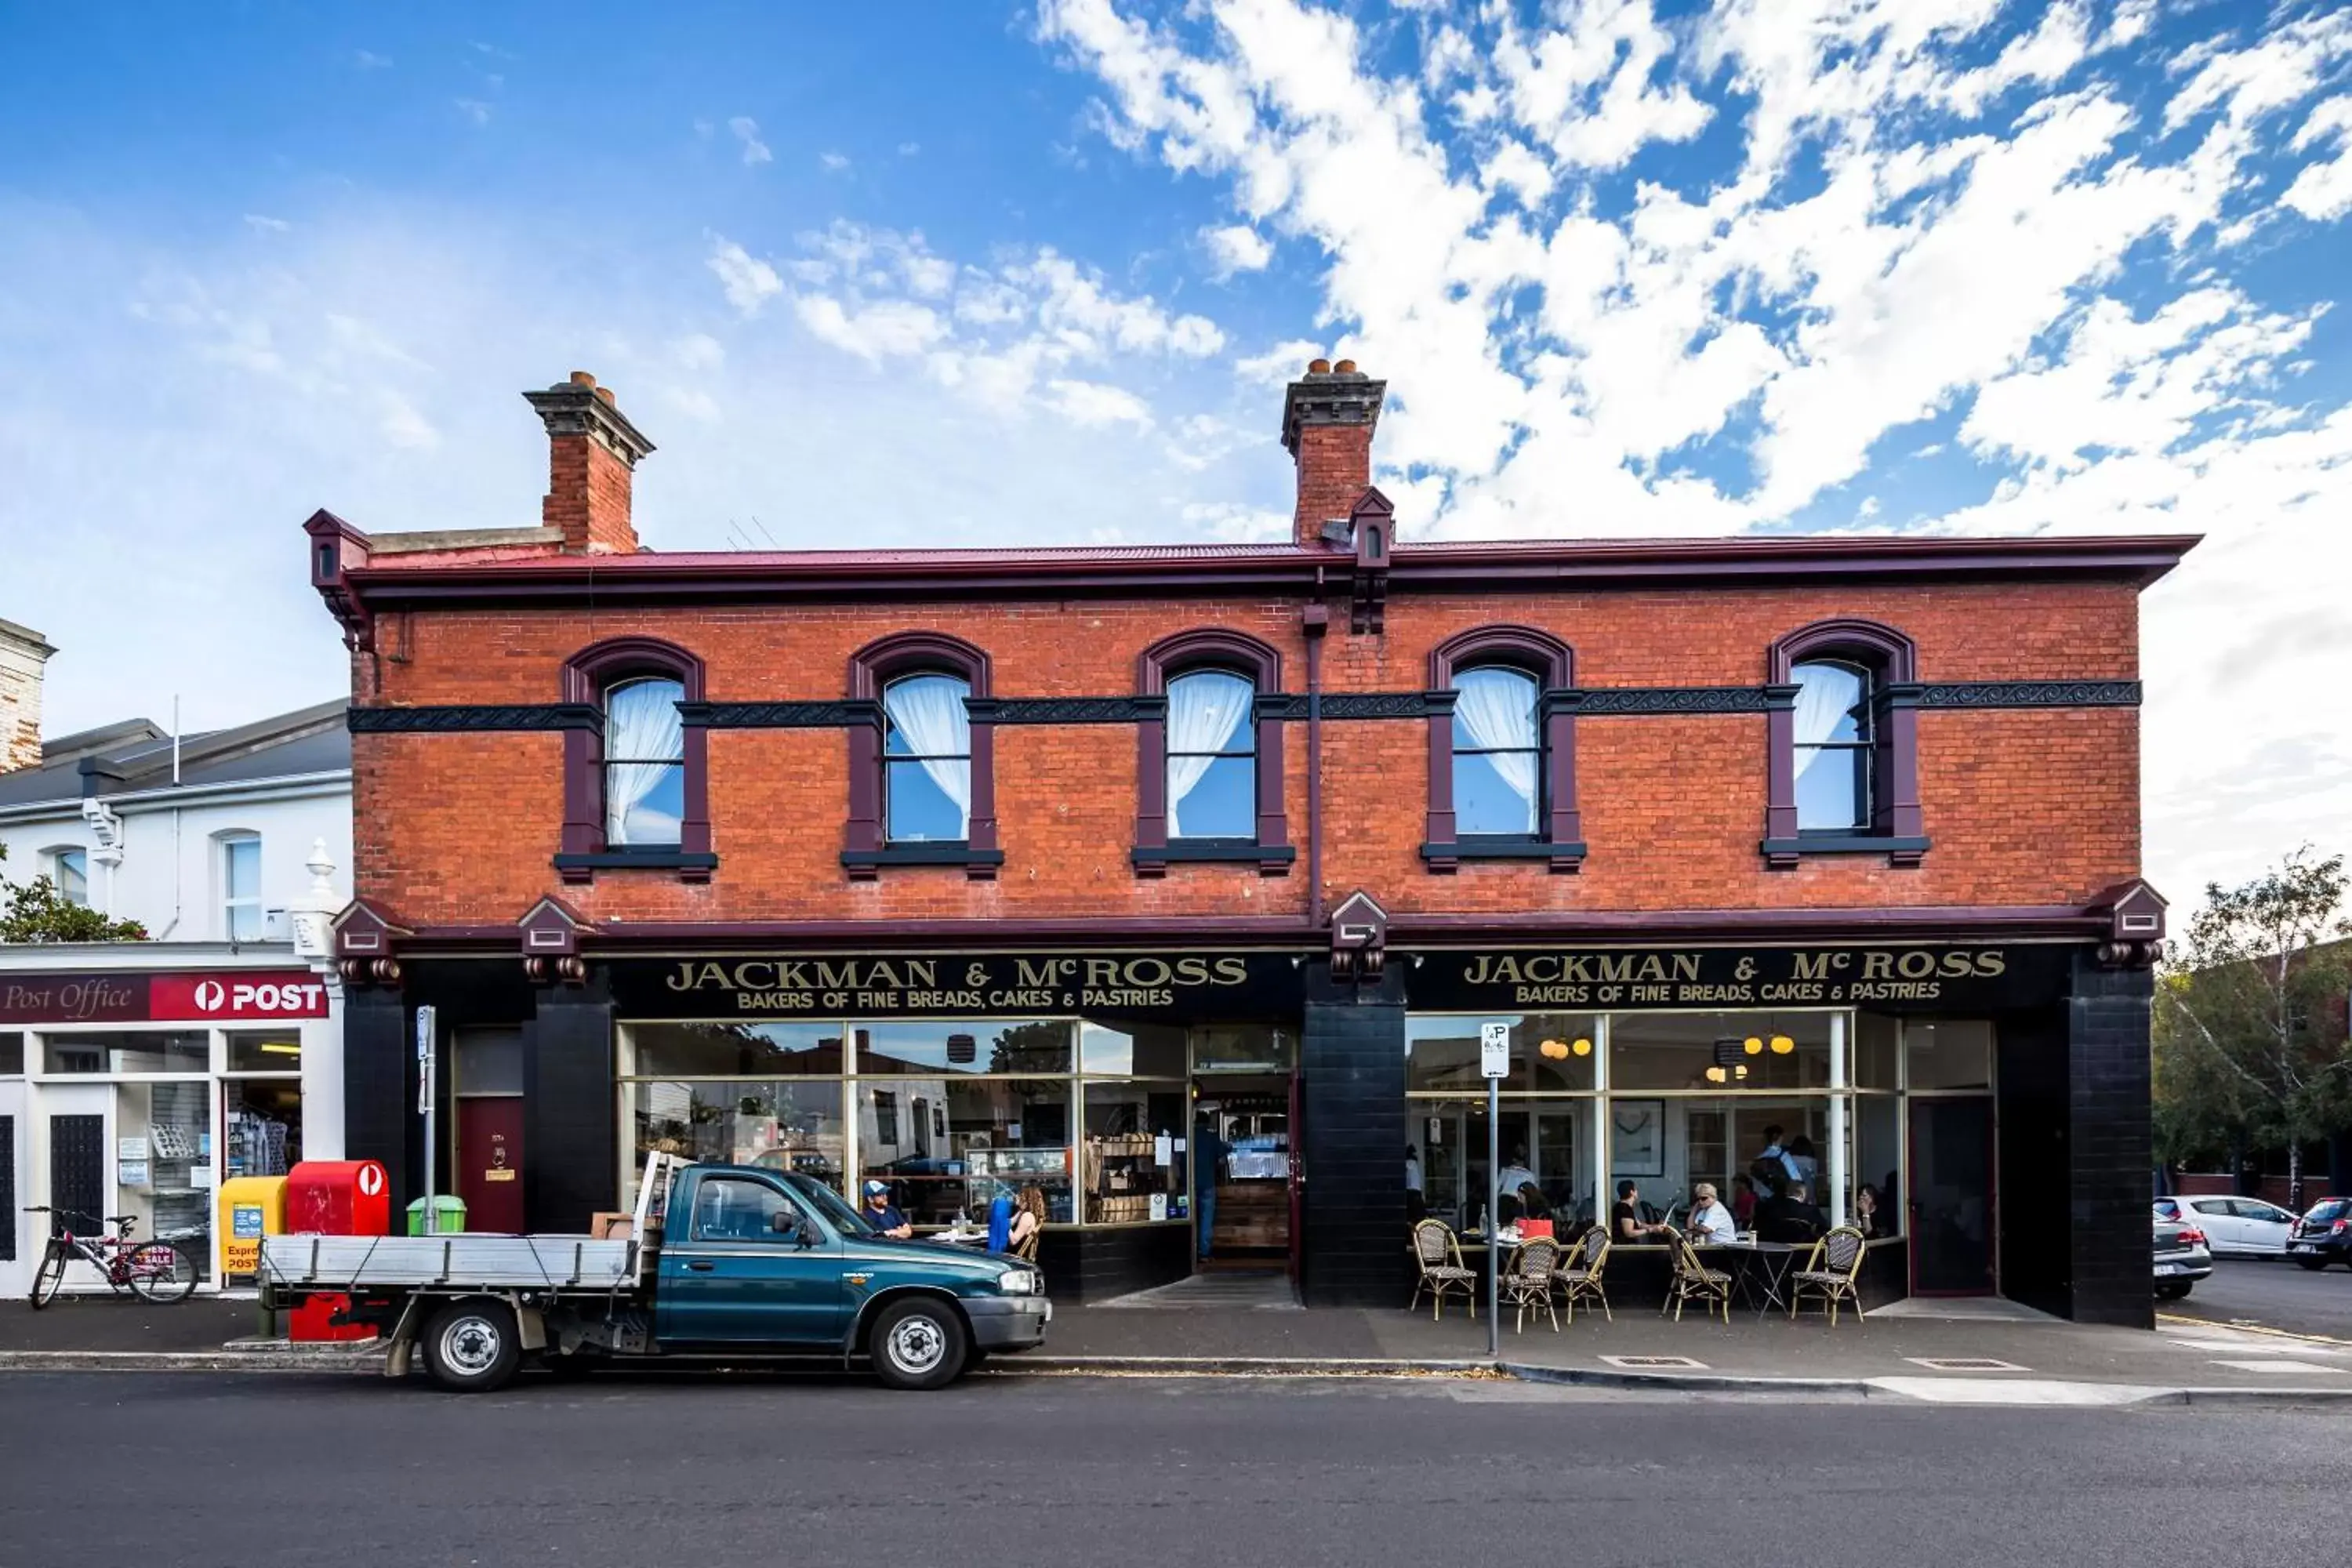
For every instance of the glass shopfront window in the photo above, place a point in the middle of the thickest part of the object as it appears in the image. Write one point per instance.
(781, 1126)
(944, 1146)
(1877, 1164)
(1948, 1053)
(1243, 1047)
(1550, 1139)
(131, 1051)
(1025, 1047)
(1704, 1052)
(1131, 1050)
(11, 1053)
(1551, 1053)
(1134, 1168)
(737, 1050)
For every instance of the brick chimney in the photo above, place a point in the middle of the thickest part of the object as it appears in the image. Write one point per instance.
(23, 659)
(1328, 417)
(593, 450)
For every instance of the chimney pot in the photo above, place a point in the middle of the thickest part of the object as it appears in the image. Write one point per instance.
(593, 450)
(1345, 367)
(1326, 424)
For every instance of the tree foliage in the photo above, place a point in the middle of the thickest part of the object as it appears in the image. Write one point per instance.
(2250, 1038)
(35, 911)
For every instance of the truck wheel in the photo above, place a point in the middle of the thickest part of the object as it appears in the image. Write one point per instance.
(472, 1347)
(918, 1344)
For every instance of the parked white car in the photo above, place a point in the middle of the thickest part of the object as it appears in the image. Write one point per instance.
(2246, 1227)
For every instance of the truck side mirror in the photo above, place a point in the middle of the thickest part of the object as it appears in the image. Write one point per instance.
(809, 1235)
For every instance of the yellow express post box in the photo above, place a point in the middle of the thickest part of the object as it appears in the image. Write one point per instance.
(250, 1208)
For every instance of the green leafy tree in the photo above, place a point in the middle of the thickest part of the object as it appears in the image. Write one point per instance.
(35, 911)
(2251, 1046)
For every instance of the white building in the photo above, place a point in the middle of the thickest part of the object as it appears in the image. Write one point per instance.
(136, 1076)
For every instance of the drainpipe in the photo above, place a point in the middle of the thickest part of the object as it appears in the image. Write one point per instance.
(1314, 620)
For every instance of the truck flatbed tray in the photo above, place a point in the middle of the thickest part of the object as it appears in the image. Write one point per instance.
(461, 1260)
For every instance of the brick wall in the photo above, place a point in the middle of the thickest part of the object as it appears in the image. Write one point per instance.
(2024, 806)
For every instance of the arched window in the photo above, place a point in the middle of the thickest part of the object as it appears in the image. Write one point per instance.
(1209, 753)
(635, 794)
(927, 759)
(1842, 773)
(241, 885)
(68, 867)
(645, 763)
(1502, 750)
(922, 790)
(1212, 756)
(1497, 753)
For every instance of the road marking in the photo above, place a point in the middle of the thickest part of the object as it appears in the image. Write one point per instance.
(2281, 1366)
(2005, 1391)
(1655, 1363)
(2244, 1326)
(1964, 1364)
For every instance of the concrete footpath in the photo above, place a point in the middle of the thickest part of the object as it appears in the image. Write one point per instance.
(1955, 1354)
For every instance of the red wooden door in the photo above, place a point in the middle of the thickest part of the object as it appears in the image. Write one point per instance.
(489, 1162)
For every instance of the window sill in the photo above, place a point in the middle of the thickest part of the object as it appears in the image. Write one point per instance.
(691, 866)
(1784, 853)
(979, 864)
(1271, 859)
(1444, 857)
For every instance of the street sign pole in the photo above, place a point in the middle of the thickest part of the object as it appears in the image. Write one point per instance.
(426, 1096)
(1494, 1062)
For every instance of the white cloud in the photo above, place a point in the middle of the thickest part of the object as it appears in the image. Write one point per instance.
(1231, 522)
(1236, 248)
(746, 130)
(475, 111)
(1092, 404)
(262, 223)
(833, 163)
(698, 351)
(2323, 188)
(749, 282)
(886, 330)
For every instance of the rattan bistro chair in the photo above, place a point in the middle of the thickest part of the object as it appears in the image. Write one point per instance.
(1442, 1273)
(1528, 1284)
(1830, 1273)
(1695, 1281)
(1582, 1280)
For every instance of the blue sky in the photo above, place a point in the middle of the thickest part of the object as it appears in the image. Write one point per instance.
(968, 274)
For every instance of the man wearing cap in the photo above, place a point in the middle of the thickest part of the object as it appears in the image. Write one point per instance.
(882, 1215)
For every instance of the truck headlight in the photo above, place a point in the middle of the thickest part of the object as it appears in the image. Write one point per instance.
(1020, 1282)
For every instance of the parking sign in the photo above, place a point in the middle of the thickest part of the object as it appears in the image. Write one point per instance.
(1494, 1049)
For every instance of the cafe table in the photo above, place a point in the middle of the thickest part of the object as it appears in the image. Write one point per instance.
(1761, 1268)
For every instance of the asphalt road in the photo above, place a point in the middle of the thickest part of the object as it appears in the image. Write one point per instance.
(2276, 1295)
(257, 1471)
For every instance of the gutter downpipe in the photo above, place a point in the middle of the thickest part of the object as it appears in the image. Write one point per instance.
(1314, 620)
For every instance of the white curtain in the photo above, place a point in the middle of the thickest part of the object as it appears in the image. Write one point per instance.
(642, 729)
(1203, 711)
(1825, 694)
(1496, 711)
(928, 710)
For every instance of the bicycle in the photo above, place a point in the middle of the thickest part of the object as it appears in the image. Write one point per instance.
(155, 1271)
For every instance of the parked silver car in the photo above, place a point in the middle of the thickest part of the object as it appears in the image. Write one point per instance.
(2182, 1258)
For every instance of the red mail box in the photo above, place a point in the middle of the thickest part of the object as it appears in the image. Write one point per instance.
(338, 1197)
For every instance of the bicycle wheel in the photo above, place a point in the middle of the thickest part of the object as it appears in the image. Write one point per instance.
(51, 1279)
(161, 1272)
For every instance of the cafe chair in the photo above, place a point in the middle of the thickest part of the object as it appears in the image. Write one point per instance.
(1695, 1281)
(1442, 1273)
(1584, 1281)
(1528, 1284)
(1831, 1273)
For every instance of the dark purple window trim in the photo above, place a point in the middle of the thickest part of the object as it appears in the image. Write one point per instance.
(1209, 648)
(1552, 665)
(871, 668)
(587, 676)
(1896, 828)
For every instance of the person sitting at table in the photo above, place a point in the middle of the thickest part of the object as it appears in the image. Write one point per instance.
(1743, 1202)
(1787, 1217)
(1028, 1219)
(1865, 1210)
(1625, 1221)
(1000, 1221)
(1710, 1223)
(883, 1214)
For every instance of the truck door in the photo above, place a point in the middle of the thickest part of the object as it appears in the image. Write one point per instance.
(737, 1278)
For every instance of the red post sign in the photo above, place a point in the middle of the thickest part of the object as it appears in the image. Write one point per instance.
(229, 996)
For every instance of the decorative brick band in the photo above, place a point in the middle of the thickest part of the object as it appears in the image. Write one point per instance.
(1287, 707)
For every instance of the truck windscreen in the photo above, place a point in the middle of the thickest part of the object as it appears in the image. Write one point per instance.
(828, 1202)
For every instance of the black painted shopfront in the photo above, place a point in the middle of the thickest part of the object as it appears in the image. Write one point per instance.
(1990, 1094)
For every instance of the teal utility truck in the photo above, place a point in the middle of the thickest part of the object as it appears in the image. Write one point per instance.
(720, 1261)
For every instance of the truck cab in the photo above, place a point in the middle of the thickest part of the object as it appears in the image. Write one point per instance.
(754, 1260)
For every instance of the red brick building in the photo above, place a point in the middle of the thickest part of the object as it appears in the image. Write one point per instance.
(1177, 881)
